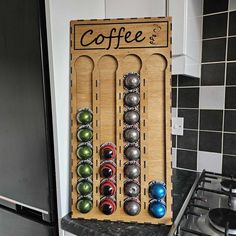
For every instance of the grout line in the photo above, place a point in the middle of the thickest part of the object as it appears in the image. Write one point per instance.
(179, 168)
(217, 62)
(210, 131)
(215, 38)
(221, 37)
(220, 12)
(215, 13)
(196, 108)
(212, 62)
(186, 149)
(199, 86)
(231, 155)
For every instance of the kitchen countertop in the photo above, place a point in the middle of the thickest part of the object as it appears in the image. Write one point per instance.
(182, 182)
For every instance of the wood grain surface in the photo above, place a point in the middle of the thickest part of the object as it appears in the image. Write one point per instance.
(102, 52)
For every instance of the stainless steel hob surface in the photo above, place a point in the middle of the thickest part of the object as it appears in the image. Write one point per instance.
(209, 209)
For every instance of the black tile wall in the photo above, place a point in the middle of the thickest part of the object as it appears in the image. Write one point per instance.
(212, 74)
(187, 159)
(187, 81)
(213, 50)
(232, 49)
(230, 98)
(229, 163)
(232, 23)
(212, 6)
(174, 141)
(188, 140)
(230, 144)
(215, 26)
(230, 121)
(211, 125)
(211, 120)
(174, 97)
(188, 97)
(231, 74)
(210, 141)
(190, 118)
(174, 80)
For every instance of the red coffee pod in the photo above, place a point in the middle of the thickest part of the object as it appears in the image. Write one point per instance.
(107, 206)
(107, 170)
(108, 151)
(107, 188)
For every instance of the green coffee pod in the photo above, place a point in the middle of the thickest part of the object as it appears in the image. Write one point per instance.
(84, 116)
(84, 205)
(84, 170)
(84, 187)
(84, 134)
(84, 152)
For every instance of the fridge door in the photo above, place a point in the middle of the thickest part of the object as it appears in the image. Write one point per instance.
(26, 149)
(12, 224)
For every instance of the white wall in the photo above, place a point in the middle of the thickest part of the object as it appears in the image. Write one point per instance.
(59, 14)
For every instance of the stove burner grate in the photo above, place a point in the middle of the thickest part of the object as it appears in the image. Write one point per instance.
(228, 186)
(224, 220)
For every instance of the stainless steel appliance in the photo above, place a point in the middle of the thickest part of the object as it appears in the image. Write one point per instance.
(209, 209)
(27, 174)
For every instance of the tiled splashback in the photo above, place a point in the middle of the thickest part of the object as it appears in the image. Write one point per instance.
(208, 104)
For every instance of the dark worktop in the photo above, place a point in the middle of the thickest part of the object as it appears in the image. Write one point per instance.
(182, 182)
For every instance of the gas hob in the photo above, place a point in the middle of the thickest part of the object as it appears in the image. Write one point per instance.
(209, 209)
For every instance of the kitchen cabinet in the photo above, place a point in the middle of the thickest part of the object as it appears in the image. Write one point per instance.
(186, 36)
(186, 30)
(134, 8)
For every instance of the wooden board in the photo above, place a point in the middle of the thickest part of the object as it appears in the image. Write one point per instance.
(102, 52)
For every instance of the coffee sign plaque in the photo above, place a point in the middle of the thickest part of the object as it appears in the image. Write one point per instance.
(124, 35)
(120, 120)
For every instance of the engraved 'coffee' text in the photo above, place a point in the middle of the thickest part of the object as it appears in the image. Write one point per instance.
(88, 38)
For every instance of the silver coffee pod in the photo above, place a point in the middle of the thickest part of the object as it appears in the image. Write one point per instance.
(132, 153)
(131, 189)
(132, 171)
(132, 207)
(131, 117)
(131, 135)
(132, 80)
(132, 99)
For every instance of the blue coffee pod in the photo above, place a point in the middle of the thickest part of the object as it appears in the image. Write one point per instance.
(157, 190)
(157, 208)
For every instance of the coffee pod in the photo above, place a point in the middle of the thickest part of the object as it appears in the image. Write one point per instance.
(132, 99)
(131, 80)
(157, 190)
(84, 152)
(157, 208)
(84, 187)
(131, 117)
(84, 205)
(84, 170)
(132, 207)
(131, 135)
(132, 189)
(107, 188)
(108, 151)
(84, 116)
(107, 206)
(132, 170)
(132, 153)
(84, 134)
(107, 170)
